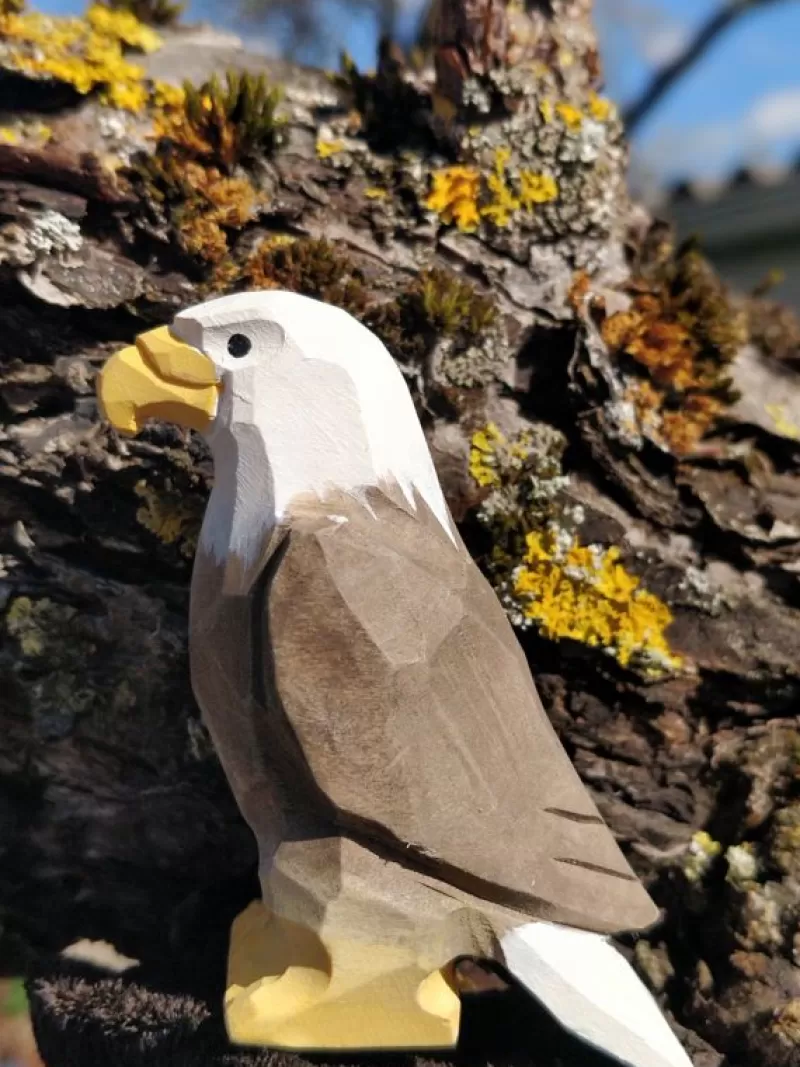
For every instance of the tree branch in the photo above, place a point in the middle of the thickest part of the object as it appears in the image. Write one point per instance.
(665, 79)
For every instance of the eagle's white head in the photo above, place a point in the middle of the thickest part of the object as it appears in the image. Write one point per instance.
(294, 396)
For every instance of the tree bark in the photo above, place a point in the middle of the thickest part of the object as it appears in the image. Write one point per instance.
(116, 822)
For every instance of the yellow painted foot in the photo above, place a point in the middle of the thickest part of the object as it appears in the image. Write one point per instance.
(287, 989)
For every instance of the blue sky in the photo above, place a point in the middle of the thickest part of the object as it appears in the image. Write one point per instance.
(741, 104)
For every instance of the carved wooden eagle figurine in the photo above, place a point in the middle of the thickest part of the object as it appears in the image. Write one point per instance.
(372, 708)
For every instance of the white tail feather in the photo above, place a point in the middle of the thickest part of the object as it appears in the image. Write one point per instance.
(593, 992)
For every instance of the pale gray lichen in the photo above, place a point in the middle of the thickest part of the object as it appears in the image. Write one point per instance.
(763, 916)
(743, 864)
(51, 233)
(696, 590)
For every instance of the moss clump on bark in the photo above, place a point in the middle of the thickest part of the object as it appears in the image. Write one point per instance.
(310, 266)
(196, 179)
(151, 12)
(441, 314)
(226, 124)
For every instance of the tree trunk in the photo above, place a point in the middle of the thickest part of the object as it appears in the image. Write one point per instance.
(522, 291)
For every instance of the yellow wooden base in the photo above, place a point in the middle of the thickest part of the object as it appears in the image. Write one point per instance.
(287, 988)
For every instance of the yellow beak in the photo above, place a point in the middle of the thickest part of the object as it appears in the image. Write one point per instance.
(159, 377)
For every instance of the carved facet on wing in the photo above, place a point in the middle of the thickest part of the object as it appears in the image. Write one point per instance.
(415, 710)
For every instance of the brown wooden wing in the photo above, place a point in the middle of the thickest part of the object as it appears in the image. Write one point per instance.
(413, 704)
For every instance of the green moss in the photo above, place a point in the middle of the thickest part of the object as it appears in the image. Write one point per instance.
(387, 104)
(150, 12)
(229, 123)
(453, 306)
(441, 311)
(313, 267)
(14, 1000)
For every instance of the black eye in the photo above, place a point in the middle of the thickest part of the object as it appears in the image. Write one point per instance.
(239, 345)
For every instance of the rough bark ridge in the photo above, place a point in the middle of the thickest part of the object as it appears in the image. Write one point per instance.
(584, 385)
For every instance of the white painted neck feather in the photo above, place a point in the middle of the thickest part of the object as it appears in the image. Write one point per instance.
(319, 406)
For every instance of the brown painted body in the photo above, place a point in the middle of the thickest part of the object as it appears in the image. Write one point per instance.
(371, 688)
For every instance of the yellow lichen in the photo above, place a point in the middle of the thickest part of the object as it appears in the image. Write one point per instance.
(173, 517)
(462, 195)
(167, 97)
(600, 108)
(546, 110)
(702, 852)
(545, 576)
(571, 116)
(536, 188)
(88, 53)
(9, 135)
(483, 464)
(783, 424)
(501, 201)
(454, 196)
(584, 593)
(373, 192)
(326, 149)
(122, 26)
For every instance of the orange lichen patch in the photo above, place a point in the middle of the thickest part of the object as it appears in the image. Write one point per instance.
(585, 594)
(666, 347)
(463, 195)
(579, 291)
(676, 341)
(89, 53)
